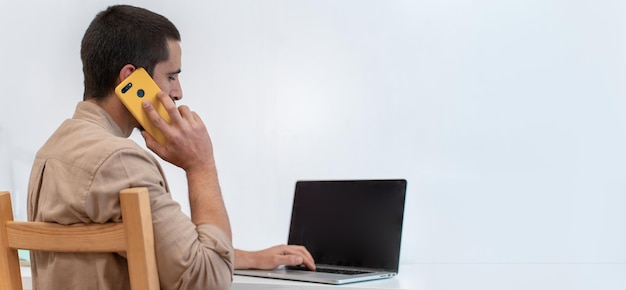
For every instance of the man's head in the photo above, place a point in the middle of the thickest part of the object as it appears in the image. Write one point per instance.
(119, 36)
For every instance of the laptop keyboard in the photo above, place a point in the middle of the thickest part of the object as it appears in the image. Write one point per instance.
(330, 270)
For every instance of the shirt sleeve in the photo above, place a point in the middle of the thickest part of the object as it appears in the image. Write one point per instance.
(188, 256)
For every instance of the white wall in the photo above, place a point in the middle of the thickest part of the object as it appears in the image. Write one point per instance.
(508, 118)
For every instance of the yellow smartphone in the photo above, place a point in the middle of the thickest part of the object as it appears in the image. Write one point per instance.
(136, 88)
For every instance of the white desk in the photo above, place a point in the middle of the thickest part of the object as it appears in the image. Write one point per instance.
(475, 276)
(465, 277)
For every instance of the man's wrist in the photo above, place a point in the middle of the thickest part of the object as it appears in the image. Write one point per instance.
(243, 259)
(202, 171)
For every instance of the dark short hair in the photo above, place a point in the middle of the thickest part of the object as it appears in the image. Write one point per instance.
(118, 36)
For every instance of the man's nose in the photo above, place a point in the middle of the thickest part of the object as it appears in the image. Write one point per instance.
(176, 93)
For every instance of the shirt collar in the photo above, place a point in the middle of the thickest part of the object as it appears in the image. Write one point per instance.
(91, 112)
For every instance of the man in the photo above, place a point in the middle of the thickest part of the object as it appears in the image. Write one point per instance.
(79, 171)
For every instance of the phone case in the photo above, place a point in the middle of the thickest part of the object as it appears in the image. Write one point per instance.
(136, 88)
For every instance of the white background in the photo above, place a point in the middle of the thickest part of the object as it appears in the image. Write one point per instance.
(507, 118)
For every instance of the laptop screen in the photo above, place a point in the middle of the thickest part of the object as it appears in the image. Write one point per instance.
(355, 223)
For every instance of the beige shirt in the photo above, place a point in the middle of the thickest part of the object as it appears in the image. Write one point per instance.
(76, 178)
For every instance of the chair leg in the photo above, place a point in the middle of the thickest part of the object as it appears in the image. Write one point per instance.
(140, 252)
(10, 276)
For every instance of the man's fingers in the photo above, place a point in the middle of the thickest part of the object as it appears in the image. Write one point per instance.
(185, 112)
(167, 102)
(307, 258)
(169, 106)
(291, 260)
(303, 255)
(295, 260)
(309, 263)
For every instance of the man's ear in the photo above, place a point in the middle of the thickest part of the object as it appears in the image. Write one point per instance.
(125, 72)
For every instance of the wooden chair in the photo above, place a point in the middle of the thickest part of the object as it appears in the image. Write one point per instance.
(133, 236)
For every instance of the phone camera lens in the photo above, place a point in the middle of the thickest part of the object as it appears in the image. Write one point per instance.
(127, 87)
(140, 93)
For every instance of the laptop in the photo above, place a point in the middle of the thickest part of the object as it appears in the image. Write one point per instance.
(353, 229)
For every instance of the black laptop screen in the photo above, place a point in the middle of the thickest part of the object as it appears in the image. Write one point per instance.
(350, 223)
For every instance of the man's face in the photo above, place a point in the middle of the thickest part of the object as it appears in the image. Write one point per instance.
(166, 72)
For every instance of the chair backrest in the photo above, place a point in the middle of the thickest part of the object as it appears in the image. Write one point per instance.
(133, 235)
